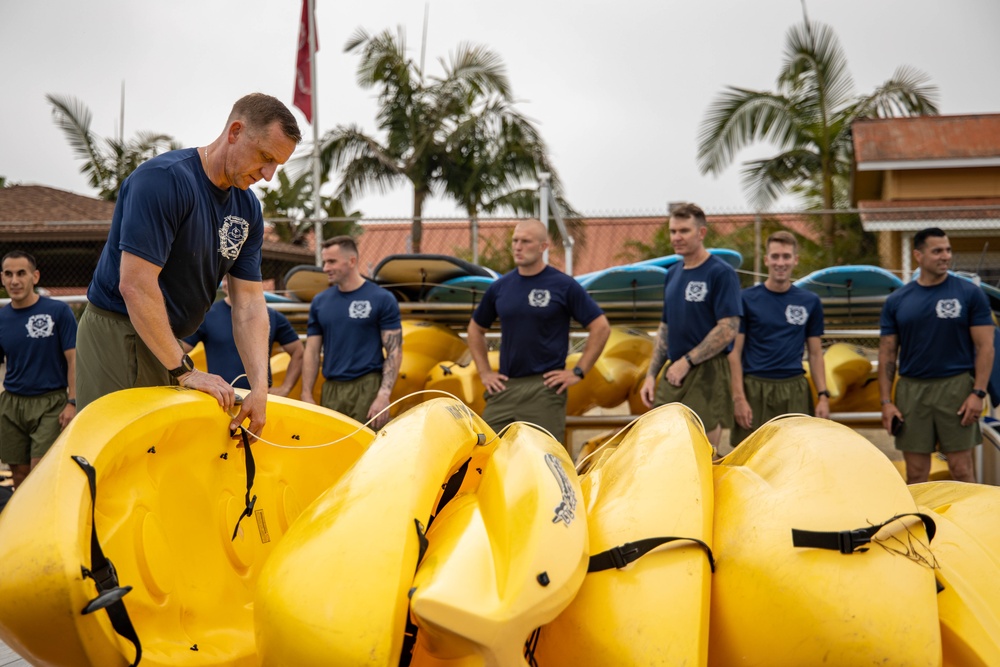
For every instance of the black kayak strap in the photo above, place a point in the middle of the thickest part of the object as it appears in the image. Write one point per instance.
(102, 571)
(251, 473)
(620, 556)
(850, 541)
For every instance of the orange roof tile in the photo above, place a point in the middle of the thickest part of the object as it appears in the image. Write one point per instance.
(926, 138)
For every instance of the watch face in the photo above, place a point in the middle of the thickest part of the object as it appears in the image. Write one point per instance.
(187, 363)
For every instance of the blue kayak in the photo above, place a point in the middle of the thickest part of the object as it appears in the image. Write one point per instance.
(732, 257)
(464, 289)
(625, 283)
(858, 280)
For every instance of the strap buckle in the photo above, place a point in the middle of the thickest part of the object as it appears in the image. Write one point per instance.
(623, 555)
(105, 577)
(849, 540)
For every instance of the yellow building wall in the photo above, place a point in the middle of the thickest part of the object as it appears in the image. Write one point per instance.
(941, 183)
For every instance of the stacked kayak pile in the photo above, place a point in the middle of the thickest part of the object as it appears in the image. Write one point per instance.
(439, 542)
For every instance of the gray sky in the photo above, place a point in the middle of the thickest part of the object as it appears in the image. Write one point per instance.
(618, 89)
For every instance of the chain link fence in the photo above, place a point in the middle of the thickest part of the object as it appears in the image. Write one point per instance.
(67, 252)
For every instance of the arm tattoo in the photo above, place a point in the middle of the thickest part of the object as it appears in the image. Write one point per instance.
(659, 351)
(721, 335)
(392, 341)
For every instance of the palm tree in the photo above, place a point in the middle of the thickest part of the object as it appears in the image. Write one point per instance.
(413, 115)
(809, 118)
(106, 162)
(288, 205)
(492, 161)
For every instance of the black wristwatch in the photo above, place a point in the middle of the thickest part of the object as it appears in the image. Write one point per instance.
(979, 392)
(823, 393)
(186, 367)
(687, 358)
(577, 371)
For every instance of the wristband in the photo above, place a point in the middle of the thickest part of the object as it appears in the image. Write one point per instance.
(823, 393)
(687, 358)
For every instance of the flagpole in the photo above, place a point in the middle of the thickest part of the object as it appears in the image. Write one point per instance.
(317, 221)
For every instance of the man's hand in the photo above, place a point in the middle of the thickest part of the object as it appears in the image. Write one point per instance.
(677, 371)
(648, 391)
(213, 385)
(889, 410)
(823, 407)
(561, 380)
(971, 408)
(742, 412)
(493, 381)
(254, 408)
(66, 416)
(380, 404)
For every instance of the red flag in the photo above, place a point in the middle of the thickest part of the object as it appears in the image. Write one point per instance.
(303, 73)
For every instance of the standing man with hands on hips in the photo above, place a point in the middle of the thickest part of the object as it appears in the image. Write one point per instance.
(535, 303)
(183, 220)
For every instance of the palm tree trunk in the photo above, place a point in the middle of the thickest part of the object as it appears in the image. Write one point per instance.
(417, 228)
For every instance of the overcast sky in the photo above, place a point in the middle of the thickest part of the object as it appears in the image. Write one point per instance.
(618, 89)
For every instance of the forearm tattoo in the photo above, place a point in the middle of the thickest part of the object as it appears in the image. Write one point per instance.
(392, 341)
(659, 351)
(721, 335)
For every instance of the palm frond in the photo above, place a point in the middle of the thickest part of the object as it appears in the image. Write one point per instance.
(74, 118)
(738, 118)
(766, 180)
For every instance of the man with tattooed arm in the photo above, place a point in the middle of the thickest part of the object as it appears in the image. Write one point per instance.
(352, 322)
(701, 317)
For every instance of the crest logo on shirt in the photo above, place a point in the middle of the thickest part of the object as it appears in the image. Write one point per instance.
(360, 310)
(539, 298)
(948, 309)
(796, 315)
(695, 291)
(232, 234)
(40, 326)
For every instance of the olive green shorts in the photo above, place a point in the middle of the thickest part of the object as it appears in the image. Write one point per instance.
(527, 399)
(110, 356)
(352, 397)
(770, 398)
(705, 389)
(29, 425)
(930, 416)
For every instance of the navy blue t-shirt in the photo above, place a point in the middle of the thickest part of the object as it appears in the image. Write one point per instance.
(694, 300)
(34, 341)
(776, 326)
(351, 324)
(221, 355)
(170, 213)
(932, 325)
(534, 314)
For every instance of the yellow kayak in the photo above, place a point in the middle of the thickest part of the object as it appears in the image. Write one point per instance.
(803, 576)
(503, 558)
(424, 345)
(654, 482)
(845, 365)
(967, 551)
(335, 591)
(171, 486)
(461, 380)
